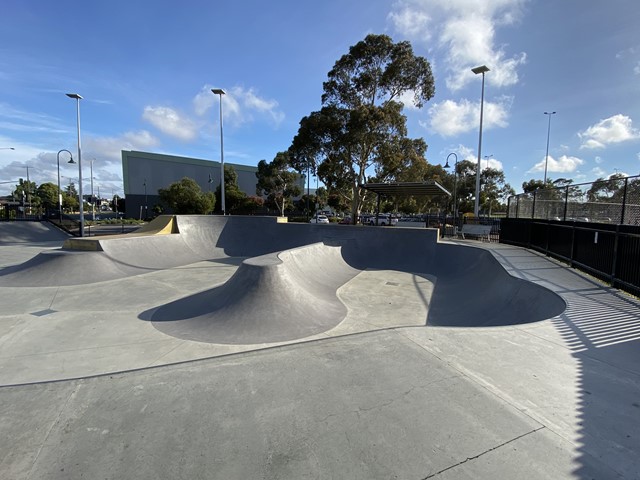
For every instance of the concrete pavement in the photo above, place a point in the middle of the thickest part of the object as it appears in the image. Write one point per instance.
(383, 393)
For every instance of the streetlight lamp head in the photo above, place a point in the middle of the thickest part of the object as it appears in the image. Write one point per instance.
(446, 165)
(480, 69)
(549, 113)
(71, 161)
(74, 95)
(218, 91)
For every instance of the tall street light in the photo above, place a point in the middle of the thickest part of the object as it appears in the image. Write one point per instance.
(93, 203)
(78, 98)
(219, 91)
(482, 69)
(455, 183)
(59, 190)
(546, 158)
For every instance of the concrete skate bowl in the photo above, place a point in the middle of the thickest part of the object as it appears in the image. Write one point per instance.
(291, 294)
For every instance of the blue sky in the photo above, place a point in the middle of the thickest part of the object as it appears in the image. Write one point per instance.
(145, 70)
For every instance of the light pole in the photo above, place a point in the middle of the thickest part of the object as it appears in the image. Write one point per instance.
(7, 148)
(59, 190)
(482, 69)
(546, 158)
(78, 98)
(487, 157)
(145, 198)
(455, 184)
(93, 202)
(219, 91)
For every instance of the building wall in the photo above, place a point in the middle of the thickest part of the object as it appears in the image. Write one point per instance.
(145, 173)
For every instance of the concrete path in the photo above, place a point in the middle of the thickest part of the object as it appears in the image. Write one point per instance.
(380, 395)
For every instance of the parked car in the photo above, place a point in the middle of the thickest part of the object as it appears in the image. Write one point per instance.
(383, 220)
(319, 219)
(345, 221)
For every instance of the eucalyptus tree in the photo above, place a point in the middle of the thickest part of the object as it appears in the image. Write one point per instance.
(277, 182)
(360, 131)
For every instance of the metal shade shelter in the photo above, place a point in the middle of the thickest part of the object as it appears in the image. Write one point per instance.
(427, 188)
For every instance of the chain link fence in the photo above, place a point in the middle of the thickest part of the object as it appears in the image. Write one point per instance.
(615, 201)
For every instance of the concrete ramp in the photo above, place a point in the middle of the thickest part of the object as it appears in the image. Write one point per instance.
(62, 268)
(30, 233)
(271, 298)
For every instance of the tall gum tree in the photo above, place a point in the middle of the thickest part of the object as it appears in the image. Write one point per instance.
(361, 125)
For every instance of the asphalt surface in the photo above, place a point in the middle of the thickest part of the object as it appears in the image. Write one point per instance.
(411, 359)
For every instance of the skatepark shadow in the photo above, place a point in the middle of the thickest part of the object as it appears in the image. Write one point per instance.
(605, 339)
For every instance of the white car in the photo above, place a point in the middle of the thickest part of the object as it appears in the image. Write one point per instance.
(319, 219)
(383, 220)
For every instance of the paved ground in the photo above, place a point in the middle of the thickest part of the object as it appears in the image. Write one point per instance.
(383, 394)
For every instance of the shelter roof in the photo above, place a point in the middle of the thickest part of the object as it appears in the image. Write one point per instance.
(426, 188)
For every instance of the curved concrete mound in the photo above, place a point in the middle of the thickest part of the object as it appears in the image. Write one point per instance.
(270, 298)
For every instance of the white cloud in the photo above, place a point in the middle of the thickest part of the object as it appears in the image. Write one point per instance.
(109, 148)
(451, 118)
(466, 31)
(43, 165)
(411, 22)
(170, 122)
(564, 164)
(239, 106)
(615, 129)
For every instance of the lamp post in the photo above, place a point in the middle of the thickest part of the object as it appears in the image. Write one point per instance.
(59, 190)
(221, 92)
(77, 99)
(455, 184)
(93, 202)
(145, 198)
(546, 158)
(482, 69)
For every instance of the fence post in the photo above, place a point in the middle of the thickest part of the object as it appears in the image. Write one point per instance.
(566, 203)
(624, 203)
(533, 206)
(615, 255)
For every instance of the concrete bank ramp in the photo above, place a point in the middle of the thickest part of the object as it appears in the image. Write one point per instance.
(271, 298)
(31, 234)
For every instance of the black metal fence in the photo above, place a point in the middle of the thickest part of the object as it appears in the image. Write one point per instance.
(612, 201)
(10, 212)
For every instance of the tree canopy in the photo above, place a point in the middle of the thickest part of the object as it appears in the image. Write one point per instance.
(185, 197)
(360, 126)
(277, 182)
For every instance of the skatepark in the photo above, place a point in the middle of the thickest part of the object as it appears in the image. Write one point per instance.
(240, 347)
